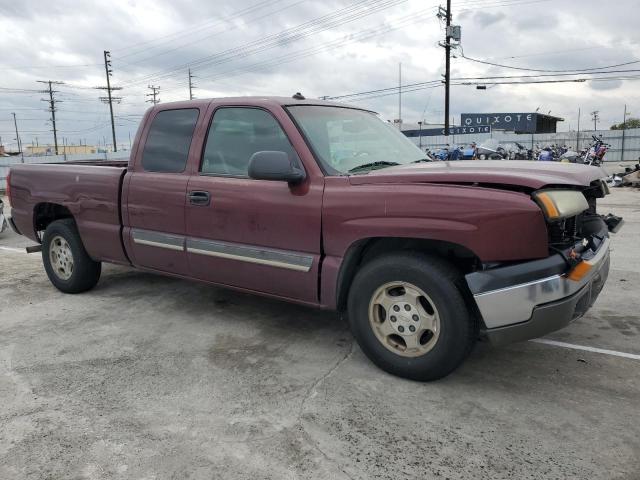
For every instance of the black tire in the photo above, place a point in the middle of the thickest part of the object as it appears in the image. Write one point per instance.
(85, 273)
(442, 282)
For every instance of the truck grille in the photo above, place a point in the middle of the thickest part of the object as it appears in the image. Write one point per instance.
(565, 232)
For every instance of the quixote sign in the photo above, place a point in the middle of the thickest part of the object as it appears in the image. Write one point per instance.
(516, 122)
(462, 130)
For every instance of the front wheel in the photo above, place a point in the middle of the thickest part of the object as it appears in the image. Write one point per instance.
(68, 266)
(409, 316)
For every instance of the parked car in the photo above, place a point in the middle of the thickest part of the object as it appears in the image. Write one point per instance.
(325, 205)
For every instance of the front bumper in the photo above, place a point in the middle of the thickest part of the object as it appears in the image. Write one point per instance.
(531, 299)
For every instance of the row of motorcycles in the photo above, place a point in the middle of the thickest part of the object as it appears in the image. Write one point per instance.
(492, 149)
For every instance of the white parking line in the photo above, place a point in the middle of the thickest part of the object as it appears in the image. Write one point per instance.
(633, 356)
(13, 250)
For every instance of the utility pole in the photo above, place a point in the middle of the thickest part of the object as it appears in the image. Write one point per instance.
(420, 134)
(447, 72)
(110, 98)
(155, 91)
(52, 107)
(15, 123)
(191, 86)
(595, 115)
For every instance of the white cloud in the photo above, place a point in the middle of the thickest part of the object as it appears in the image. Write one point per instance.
(153, 41)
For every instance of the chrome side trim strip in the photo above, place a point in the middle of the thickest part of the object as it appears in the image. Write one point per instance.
(157, 239)
(158, 244)
(244, 253)
(250, 254)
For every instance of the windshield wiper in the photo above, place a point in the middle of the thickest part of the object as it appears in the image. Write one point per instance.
(420, 160)
(372, 165)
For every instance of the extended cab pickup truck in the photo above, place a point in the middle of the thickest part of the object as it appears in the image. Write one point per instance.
(326, 205)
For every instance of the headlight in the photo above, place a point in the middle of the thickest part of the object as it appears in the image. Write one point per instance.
(558, 204)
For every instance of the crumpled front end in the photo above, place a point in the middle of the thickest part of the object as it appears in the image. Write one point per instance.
(530, 299)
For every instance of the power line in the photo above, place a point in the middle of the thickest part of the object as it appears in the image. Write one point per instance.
(24, 67)
(338, 43)
(200, 39)
(353, 12)
(189, 31)
(484, 62)
(405, 86)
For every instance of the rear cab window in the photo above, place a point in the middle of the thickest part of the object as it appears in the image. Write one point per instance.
(167, 146)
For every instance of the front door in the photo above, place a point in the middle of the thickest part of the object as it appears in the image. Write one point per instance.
(255, 234)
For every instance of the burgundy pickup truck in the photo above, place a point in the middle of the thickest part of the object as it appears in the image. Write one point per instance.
(326, 205)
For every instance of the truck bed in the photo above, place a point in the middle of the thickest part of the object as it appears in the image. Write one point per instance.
(89, 190)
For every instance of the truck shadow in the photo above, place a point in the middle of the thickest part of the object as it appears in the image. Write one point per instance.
(283, 325)
(201, 302)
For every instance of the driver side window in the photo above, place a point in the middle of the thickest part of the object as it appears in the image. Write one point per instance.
(235, 134)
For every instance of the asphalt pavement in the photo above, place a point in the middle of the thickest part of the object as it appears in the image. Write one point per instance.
(148, 377)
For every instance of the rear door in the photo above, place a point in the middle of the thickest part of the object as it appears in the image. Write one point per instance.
(156, 192)
(254, 234)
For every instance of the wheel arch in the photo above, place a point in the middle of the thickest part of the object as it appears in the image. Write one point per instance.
(45, 213)
(364, 250)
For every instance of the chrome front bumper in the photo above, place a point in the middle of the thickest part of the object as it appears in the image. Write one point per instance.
(541, 305)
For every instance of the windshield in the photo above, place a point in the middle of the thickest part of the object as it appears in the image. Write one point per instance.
(348, 141)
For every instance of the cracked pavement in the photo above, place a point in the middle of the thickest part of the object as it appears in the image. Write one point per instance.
(148, 377)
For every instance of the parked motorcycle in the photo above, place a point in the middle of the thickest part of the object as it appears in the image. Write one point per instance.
(597, 151)
(446, 153)
(442, 154)
(491, 149)
(469, 153)
(517, 151)
(546, 155)
(570, 156)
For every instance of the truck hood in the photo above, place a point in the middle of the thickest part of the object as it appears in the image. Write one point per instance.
(524, 173)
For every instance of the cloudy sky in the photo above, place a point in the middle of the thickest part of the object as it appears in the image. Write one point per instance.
(333, 48)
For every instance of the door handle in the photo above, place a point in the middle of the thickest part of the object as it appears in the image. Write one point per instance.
(199, 197)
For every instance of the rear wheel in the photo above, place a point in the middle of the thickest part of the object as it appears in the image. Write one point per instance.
(68, 266)
(409, 317)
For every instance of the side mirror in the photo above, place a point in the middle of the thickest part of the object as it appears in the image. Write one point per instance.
(271, 165)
